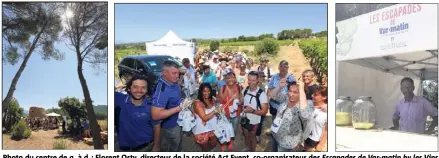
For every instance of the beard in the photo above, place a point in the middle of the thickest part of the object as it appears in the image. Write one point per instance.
(136, 98)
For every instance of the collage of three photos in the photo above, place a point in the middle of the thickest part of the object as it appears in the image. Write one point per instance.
(219, 77)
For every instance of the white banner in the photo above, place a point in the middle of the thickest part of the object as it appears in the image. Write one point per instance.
(401, 28)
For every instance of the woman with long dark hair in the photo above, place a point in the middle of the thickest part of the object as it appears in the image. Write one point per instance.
(205, 118)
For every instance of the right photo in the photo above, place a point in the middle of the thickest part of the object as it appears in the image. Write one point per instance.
(386, 77)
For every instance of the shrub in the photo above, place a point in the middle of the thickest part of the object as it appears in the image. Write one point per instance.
(267, 45)
(20, 130)
(27, 133)
(214, 45)
(245, 51)
(60, 144)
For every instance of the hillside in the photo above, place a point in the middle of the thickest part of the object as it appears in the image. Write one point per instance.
(101, 109)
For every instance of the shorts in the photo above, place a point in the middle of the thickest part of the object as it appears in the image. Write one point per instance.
(310, 143)
(254, 128)
(203, 138)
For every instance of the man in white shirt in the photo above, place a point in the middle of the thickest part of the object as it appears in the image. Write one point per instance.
(255, 106)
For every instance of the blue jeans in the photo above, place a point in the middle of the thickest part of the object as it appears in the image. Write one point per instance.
(234, 122)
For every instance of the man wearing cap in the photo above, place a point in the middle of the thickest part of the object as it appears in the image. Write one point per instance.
(278, 91)
(263, 66)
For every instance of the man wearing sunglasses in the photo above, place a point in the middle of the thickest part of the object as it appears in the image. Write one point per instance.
(278, 91)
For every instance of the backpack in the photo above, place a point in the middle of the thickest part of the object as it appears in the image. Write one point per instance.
(258, 102)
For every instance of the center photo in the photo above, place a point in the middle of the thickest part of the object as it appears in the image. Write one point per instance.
(220, 77)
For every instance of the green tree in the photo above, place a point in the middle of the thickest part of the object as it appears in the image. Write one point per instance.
(267, 45)
(74, 108)
(12, 115)
(214, 45)
(321, 34)
(28, 27)
(84, 30)
(430, 89)
(263, 36)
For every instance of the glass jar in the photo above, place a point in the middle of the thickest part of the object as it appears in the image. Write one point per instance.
(343, 111)
(364, 113)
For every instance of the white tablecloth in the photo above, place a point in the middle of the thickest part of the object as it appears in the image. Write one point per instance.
(350, 139)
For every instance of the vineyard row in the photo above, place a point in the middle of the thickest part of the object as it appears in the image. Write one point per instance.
(316, 51)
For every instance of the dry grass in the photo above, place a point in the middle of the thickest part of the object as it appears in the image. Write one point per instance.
(44, 140)
(103, 124)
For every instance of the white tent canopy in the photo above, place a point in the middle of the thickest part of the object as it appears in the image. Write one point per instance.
(53, 114)
(376, 50)
(172, 45)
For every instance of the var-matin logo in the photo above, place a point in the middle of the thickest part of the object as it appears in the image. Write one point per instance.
(392, 33)
(394, 29)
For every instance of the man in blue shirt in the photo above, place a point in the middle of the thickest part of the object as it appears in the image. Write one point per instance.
(166, 106)
(136, 129)
(209, 77)
(278, 91)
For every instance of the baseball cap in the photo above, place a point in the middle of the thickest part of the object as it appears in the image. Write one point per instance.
(283, 63)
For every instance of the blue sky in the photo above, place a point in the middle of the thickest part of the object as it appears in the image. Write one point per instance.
(148, 22)
(43, 83)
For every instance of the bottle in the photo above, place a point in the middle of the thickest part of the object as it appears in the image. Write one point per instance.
(343, 111)
(364, 113)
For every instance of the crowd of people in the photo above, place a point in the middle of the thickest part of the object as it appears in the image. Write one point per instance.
(45, 123)
(226, 86)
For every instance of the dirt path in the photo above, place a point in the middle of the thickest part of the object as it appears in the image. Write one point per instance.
(43, 140)
(293, 54)
(296, 60)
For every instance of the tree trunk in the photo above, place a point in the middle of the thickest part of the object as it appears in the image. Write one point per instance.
(11, 90)
(97, 142)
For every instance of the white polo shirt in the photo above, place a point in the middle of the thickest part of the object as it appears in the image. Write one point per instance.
(251, 101)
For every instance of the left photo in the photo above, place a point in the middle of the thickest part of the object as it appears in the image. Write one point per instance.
(54, 58)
